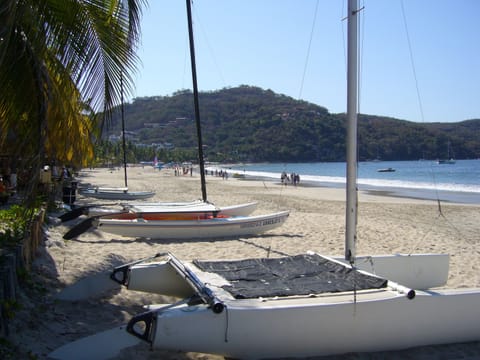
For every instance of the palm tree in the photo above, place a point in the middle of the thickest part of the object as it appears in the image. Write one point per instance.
(61, 63)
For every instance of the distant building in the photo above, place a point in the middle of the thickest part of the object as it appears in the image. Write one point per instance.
(129, 136)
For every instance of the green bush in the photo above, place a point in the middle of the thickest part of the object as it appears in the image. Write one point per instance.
(13, 224)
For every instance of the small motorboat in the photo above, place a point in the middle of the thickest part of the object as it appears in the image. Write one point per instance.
(386, 170)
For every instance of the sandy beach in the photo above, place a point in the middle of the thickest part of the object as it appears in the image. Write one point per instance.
(386, 225)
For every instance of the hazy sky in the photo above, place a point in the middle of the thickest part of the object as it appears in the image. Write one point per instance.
(265, 43)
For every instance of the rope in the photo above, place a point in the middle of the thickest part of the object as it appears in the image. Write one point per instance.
(226, 325)
(420, 105)
(210, 49)
(412, 63)
(308, 50)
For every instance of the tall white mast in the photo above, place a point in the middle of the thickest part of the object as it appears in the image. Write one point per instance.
(352, 88)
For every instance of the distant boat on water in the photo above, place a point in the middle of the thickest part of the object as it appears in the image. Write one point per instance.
(449, 160)
(386, 170)
(446, 161)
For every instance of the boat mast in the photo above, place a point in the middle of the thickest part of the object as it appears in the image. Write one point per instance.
(352, 88)
(195, 99)
(123, 131)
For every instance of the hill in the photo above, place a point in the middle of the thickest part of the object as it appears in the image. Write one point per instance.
(251, 124)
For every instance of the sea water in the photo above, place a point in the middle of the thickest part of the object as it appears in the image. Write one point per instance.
(459, 182)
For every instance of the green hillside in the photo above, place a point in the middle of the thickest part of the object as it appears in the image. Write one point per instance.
(251, 124)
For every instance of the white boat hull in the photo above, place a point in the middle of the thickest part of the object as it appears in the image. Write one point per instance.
(416, 271)
(200, 206)
(191, 229)
(377, 321)
(233, 210)
(158, 278)
(372, 320)
(116, 194)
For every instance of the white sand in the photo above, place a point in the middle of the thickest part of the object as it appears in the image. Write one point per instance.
(386, 225)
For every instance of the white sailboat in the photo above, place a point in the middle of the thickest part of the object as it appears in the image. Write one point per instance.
(185, 225)
(174, 221)
(118, 193)
(305, 305)
(160, 207)
(197, 220)
(125, 194)
(449, 159)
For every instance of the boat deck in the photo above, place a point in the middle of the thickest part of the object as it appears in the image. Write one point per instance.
(300, 275)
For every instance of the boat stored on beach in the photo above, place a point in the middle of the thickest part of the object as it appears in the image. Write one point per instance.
(307, 305)
(111, 193)
(142, 208)
(188, 225)
(149, 220)
(299, 306)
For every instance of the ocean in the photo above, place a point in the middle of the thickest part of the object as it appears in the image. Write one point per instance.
(423, 179)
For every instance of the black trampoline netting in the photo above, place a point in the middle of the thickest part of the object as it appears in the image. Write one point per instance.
(288, 276)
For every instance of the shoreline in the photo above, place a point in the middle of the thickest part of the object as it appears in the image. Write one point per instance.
(452, 197)
(386, 225)
(452, 191)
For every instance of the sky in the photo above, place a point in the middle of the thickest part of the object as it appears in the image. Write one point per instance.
(420, 59)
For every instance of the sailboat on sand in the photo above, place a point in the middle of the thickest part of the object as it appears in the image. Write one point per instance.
(118, 193)
(303, 305)
(308, 304)
(191, 220)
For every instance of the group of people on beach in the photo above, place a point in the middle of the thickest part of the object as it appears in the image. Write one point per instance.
(293, 178)
(219, 173)
(184, 170)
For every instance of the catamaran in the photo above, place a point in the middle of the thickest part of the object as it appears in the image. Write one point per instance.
(158, 207)
(185, 225)
(202, 221)
(309, 304)
(118, 193)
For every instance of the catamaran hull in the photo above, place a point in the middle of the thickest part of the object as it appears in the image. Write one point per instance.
(416, 271)
(148, 208)
(334, 324)
(158, 278)
(192, 229)
(116, 194)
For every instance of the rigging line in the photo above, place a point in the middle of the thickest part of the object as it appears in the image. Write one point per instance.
(420, 240)
(185, 62)
(343, 38)
(209, 47)
(437, 195)
(361, 38)
(419, 98)
(412, 62)
(308, 50)
(225, 338)
(434, 226)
